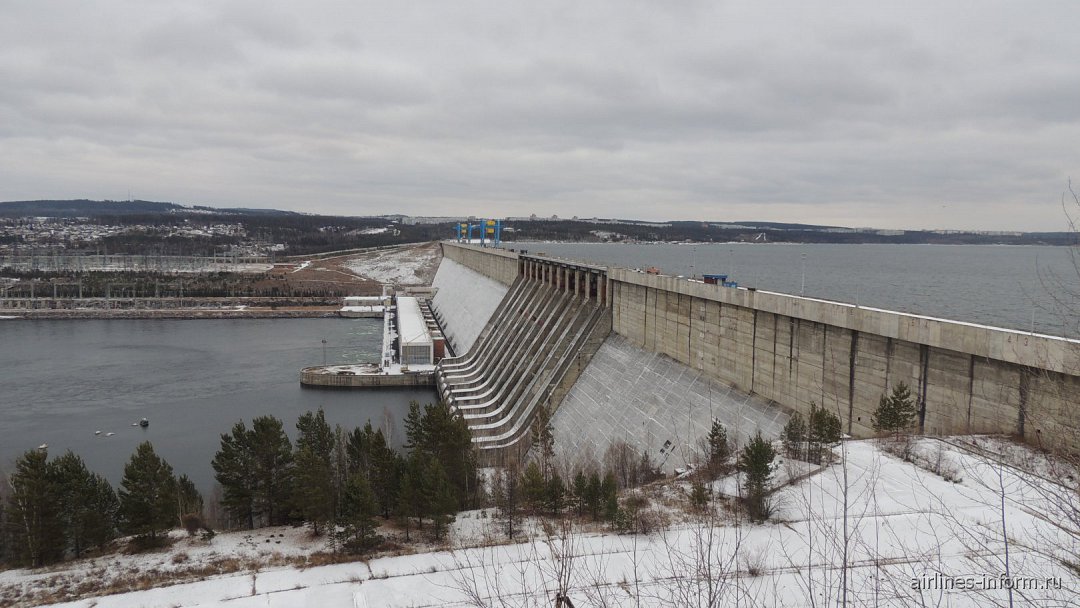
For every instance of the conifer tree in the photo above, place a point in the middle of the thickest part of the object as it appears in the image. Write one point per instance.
(594, 495)
(189, 500)
(441, 434)
(506, 492)
(581, 492)
(385, 474)
(555, 494)
(358, 510)
(609, 497)
(272, 469)
(895, 413)
(88, 505)
(719, 448)
(148, 495)
(824, 431)
(411, 493)
(99, 518)
(533, 486)
(699, 494)
(755, 463)
(439, 497)
(233, 466)
(794, 436)
(359, 447)
(33, 511)
(313, 493)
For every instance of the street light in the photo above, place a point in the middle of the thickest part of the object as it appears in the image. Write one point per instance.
(324, 352)
(802, 288)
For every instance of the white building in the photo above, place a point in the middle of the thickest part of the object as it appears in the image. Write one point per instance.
(414, 339)
(364, 306)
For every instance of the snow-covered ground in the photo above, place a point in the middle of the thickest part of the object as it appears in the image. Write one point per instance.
(405, 265)
(875, 531)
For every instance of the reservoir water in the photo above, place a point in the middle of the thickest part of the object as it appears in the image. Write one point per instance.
(1017, 287)
(60, 381)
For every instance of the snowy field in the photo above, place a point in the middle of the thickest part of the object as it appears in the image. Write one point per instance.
(405, 265)
(875, 531)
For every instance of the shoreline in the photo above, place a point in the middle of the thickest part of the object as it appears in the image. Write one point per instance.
(174, 313)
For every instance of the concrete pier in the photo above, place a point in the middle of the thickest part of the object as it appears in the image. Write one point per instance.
(344, 376)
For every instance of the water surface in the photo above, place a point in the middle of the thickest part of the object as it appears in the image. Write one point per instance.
(60, 381)
(1017, 287)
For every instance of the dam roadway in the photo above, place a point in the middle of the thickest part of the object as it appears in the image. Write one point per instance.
(651, 359)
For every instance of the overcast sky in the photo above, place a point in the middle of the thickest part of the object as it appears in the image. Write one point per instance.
(908, 115)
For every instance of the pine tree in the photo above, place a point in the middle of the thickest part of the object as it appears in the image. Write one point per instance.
(384, 476)
(233, 466)
(410, 494)
(99, 518)
(272, 469)
(609, 497)
(895, 413)
(594, 495)
(824, 432)
(755, 463)
(33, 510)
(360, 449)
(699, 494)
(794, 436)
(189, 500)
(533, 486)
(358, 510)
(148, 495)
(555, 494)
(87, 504)
(581, 492)
(313, 493)
(441, 434)
(439, 497)
(719, 448)
(506, 492)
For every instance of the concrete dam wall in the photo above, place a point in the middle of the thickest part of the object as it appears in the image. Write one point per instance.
(539, 339)
(718, 348)
(471, 296)
(966, 378)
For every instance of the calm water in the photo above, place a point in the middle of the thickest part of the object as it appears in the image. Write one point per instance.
(1004, 286)
(62, 380)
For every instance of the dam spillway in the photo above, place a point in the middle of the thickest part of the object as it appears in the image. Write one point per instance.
(539, 339)
(731, 353)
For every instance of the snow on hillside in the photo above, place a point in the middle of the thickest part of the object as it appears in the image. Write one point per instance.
(405, 265)
(905, 527)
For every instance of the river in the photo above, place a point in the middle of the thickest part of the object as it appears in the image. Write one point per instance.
(61, 381)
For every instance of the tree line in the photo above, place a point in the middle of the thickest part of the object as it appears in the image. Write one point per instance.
(334, 480)
(59, 508)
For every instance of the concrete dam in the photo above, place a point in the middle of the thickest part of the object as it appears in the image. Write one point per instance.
(617, 354)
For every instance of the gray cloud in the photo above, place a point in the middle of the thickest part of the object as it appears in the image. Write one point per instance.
(898, 114)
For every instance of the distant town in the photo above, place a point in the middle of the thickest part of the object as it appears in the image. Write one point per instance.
(152, 228)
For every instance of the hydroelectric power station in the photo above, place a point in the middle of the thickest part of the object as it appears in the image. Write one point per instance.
(618, 354)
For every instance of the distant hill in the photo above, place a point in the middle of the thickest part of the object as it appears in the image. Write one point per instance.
(88, 208)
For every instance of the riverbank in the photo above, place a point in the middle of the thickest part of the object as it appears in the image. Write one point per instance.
(312, 312)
